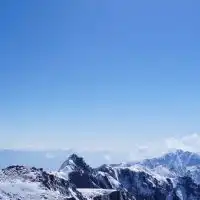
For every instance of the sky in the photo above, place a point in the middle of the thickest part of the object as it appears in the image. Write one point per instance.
(99, 74)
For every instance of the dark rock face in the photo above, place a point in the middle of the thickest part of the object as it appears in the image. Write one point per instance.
(142, 185)
(115, 195)
(82, 180)
(188, 188)
(82, 175)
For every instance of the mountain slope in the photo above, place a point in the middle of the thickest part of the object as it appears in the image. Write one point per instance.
(171, 177)
(76, 170)
(134, 182)
(176, 164)
(177, 160)
(23, 183)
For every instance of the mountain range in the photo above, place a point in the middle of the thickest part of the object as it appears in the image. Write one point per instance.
(173, 176)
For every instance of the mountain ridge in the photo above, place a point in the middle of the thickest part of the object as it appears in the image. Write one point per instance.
(151, 179)
(161, 181)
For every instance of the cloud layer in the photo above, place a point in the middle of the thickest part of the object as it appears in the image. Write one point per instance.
(123, 151)
(189, 142)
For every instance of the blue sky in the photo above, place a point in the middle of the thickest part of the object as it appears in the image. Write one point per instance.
(98, 74)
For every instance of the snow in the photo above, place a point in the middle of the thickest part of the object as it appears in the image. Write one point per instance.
(23, 190)
(163, 171)
(73, 194)
(102, 173)
(24, 183)
(140, 168)
(68, 168)
(114, 182)
(91, 193)
(116, 173)
(61, 174)
(181, 194)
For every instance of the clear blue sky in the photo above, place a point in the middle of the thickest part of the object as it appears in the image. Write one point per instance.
(72, 71)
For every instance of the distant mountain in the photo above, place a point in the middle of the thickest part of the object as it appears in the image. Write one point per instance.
(178, 163)
(178, 160)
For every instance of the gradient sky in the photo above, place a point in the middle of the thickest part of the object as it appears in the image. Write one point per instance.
(120, 72)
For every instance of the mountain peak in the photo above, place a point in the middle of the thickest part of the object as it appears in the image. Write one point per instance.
(182, 154)
(177, 161)
(76, 163)
(180, 151)
(74, 157)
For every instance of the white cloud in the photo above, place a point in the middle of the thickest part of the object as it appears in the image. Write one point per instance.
(139, 152)
(123, 149)
(188, 143)
(107, 157)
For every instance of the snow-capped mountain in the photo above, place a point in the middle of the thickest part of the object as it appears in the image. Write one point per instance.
(178, 160)
(30, 183)
(156, 179)
(133, 182)
(76, 170)
(141, 182)
(176, 164)
(170, 177)
(75, 163)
